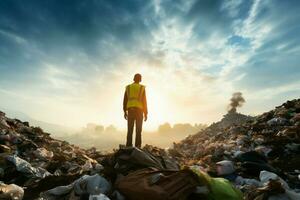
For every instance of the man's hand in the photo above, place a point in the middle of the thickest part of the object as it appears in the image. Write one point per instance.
(125, 115)
(145, 117)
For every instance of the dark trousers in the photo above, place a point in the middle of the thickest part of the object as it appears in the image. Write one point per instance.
(135, 116)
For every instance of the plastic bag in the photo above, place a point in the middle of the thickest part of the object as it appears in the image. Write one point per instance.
(266, 176)
(225, 167)
(25, 167)
(219, 188)
(11, 191)
(92, 185)
(277, 121)
(98, 197)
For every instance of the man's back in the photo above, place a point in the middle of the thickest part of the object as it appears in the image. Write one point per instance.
(135, 96)
(135, 109)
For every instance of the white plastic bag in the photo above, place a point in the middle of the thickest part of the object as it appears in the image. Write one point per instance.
(98, 197)
(225, 167)
(11, 192)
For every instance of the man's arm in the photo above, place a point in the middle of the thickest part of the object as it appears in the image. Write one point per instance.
(125, 99)
(145, 108)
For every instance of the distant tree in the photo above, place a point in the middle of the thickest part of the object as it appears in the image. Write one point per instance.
(164, 128)
(111, 129)
(200, 126)
(183, 128)
(91, 126)
(180, 129)
(99, 128)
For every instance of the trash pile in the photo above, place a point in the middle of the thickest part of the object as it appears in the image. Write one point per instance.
(31, 161)
(260, 155)
(35, 166)
(233, 117)
(251, 158)
(230, 119)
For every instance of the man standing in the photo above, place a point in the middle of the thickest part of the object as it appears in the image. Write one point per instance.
(135, 106)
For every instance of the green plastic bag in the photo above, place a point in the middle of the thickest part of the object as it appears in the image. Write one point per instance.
(219, 188)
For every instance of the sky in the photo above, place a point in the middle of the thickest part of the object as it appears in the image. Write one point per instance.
(68, 61)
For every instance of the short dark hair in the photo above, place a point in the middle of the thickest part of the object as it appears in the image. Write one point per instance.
(137, 78)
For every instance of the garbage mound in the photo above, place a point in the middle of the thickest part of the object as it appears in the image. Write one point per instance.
(230, 119)
(237, 158)
(241, 151)
(31, 161)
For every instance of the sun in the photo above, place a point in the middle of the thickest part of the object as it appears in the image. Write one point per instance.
(158, 93)
(158, 109)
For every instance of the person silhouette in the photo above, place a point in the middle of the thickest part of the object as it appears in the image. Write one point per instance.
(135, 109)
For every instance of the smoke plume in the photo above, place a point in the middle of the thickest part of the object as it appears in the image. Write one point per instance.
(237, 100)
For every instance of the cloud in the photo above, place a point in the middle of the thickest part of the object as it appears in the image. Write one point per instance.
(191, 52)
(232, 7)
(273, 59)
(57, 31)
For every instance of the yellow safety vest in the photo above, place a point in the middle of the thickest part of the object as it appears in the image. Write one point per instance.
(135, 93)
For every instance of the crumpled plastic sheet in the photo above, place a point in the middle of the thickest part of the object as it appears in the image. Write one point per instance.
(26, 168)
(43, 153)
(225, 167)
(266, 176)
(277, 121)
(98, 197)
(12, 191)
(240, 181)
(93, 185)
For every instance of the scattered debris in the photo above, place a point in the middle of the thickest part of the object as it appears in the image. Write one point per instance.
(239, 150)
(240, 157)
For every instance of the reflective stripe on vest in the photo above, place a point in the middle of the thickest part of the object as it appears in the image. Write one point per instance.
(135, 94)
